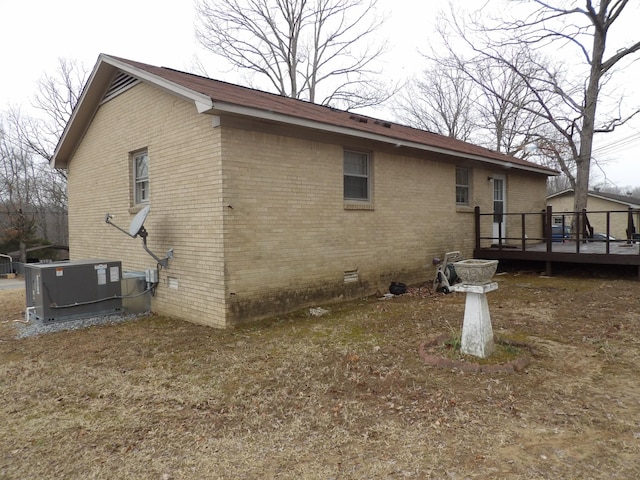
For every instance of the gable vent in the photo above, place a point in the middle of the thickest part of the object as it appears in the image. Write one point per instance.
(121, 83)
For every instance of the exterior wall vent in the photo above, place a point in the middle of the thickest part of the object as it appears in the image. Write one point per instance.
(350, 276)
(358, 119)
(121, 83)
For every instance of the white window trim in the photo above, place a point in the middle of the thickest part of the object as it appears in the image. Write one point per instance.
(368, 176)
(467, 186)
(137, 181)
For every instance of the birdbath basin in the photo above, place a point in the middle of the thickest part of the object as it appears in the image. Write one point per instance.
(475, 271)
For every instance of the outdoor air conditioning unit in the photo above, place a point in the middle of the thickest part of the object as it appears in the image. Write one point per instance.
(66, 290)
(136, 293)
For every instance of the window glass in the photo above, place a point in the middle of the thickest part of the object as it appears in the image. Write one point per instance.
(356, 175)
(462, 186)
(498, 200)
(141, 176)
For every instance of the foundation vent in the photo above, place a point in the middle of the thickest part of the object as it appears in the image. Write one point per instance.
(350, 276)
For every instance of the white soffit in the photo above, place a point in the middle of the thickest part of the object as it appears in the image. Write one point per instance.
(315, 125)
(202, 102)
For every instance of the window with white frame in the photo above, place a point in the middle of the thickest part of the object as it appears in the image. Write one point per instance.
(357, 175)
(462, 186)
(141, 177)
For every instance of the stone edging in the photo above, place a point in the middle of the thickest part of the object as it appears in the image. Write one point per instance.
(513, 366)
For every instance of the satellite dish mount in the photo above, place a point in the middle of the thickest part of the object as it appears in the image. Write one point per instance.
(136, 228)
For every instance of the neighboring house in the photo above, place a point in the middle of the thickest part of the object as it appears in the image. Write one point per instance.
(598, 204)
(269, 203)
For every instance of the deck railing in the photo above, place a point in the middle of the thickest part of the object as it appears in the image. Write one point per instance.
(535, 228)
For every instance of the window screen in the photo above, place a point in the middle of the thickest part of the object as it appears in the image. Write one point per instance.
(356, 175)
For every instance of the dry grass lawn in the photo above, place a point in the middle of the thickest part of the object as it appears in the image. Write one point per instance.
(342, 396)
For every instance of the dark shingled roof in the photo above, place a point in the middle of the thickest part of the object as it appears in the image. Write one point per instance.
(246, 97)
(628, 199)
(624, 199)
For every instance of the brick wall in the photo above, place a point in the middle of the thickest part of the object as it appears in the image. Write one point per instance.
(526, 194)
(291, 237)
(265, 230)
(185, 198)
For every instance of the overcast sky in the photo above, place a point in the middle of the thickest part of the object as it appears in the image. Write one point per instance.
(35, 33)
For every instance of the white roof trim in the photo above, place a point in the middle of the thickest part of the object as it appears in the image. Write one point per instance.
(202, 102)
(569, 191)
(614, 200)
(222, 107)
(74, 114)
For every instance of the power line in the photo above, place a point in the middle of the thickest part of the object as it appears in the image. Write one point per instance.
(618, 145)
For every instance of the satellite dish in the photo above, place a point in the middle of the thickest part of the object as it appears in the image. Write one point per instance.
(136, 228)
(137, 223)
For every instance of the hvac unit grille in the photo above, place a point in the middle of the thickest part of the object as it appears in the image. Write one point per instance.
(121, 83)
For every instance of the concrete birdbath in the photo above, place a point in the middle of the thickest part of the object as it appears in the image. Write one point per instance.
(475, 271)
(477, 334)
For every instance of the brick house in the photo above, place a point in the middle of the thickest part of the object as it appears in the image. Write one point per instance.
(269, 203)
(600, 205)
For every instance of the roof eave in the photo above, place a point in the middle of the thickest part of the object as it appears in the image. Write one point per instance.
(224, 107)
(201, 101)
(614, 200)
(98, 83)
(81, 116)
(560, 193)
(630, 203)
(107, 66)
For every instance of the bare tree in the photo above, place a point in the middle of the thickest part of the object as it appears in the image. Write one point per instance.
(509, 113)
(18, 183)
(442, 101)
(568, 101)
(480, 101)
(57, 96)
(33, 195)
(316, 50)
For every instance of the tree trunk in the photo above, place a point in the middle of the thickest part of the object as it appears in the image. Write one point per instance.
(583, 162)
(23, 252)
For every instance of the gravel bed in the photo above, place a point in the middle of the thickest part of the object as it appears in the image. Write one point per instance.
(38, 327)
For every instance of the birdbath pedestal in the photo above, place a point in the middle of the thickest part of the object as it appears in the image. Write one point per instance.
(477, 334)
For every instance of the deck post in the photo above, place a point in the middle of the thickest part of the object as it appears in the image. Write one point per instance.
(476, 212)
(608, 245)
(547, 228)
(578, 227)
(549, 236)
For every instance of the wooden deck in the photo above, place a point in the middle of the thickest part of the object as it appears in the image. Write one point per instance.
(545, 249)
(572, 252)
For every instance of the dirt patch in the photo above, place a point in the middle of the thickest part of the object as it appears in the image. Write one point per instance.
(444, 351)
(344, 395)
